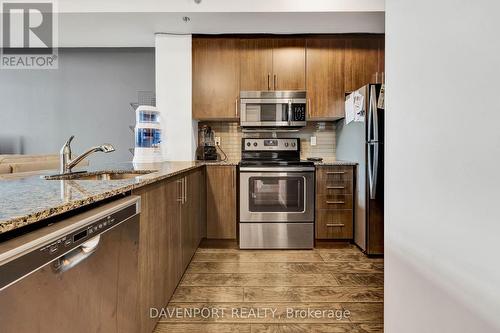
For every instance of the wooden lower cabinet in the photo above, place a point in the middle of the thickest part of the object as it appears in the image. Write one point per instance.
(191, 214)
(334, 202)
(334, 224)
(221, 202)
(159, 248)
(170, 232)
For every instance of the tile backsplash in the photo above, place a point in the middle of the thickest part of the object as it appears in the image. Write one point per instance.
(230, 134)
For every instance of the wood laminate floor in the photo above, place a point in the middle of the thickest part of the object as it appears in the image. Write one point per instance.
(328, 289)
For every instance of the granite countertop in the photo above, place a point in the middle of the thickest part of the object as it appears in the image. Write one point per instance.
(332, 162)
(26, 199)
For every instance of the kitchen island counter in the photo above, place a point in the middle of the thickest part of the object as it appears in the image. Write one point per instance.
(27, 199)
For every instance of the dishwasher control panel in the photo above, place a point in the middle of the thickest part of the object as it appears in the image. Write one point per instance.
(83, 234)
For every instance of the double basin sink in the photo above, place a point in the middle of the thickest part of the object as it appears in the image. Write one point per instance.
(99, 175)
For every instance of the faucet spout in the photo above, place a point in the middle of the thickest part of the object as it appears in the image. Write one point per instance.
(67, 164)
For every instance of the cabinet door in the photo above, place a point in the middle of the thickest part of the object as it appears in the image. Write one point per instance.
(216, 78)
(191, 208)
(174, 247)
(221, 202)
(256, 65)
(361, 62)
(289, 64)
(381, 61)
(325, 78)
(154, 251)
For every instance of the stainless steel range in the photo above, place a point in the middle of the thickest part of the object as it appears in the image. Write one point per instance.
(276, 195)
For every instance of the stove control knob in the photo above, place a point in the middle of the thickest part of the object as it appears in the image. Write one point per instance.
(255, 144)
(248, 144)
(293, 144)
(286, 144)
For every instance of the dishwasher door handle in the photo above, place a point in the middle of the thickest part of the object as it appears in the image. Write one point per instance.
(76, 256)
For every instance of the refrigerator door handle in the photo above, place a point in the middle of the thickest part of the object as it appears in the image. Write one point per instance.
(370, 117)
(374, 113)
(373, 168)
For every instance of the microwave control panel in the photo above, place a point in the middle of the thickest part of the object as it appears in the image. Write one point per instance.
(298, 112)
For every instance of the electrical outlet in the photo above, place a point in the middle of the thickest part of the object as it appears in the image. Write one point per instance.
(313, 140)
(217, 140)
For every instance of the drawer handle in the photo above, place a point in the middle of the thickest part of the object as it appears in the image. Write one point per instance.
(335, 202)
(335, 172)
(335, 187)
(335, 224)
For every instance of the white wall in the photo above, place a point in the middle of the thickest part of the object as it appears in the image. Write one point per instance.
(88, 96)
(173, 96)
(442, 176)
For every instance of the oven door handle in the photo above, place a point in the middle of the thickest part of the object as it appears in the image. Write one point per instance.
(276, 169)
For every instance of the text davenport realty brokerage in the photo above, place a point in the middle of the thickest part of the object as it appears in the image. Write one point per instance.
(248, 313)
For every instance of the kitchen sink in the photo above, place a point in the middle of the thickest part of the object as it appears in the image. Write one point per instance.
(100, 175)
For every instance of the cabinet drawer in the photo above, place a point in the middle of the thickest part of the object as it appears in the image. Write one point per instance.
(334, 201)
(337, 172)
(333, 188)
(334, 224)
(335, 180)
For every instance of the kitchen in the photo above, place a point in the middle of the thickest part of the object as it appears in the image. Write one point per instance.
(236, 179)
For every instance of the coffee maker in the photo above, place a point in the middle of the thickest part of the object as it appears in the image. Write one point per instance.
(206, 150)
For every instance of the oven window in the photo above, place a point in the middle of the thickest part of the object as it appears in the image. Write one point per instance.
(276, 194)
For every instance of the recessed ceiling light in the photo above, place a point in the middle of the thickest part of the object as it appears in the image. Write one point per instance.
(197, 1)
(186, 19)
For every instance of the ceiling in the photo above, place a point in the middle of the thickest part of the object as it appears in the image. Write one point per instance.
(133, 23)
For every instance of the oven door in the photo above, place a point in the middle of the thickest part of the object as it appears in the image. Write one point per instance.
(276, 195)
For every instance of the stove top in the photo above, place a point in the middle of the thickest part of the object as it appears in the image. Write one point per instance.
(271, 152)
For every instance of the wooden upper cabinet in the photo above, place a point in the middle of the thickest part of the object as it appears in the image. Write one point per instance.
(381, 60)
(325, 78)
(289, 64)
(216, 78)
(256, 67)
(363, 61)
(272, 64)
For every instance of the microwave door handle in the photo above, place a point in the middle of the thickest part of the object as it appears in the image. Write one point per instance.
(289, 112)
(373, 102)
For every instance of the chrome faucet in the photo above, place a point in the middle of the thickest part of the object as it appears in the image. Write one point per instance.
(66, 163)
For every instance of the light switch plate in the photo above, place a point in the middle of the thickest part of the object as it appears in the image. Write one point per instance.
(313, 141)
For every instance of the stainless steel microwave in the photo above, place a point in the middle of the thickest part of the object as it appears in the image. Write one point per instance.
(273, 108)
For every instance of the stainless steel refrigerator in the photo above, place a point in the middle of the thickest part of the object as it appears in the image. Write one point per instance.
(362, 141)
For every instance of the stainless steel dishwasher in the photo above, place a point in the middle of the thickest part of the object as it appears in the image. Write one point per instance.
(76, 275)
